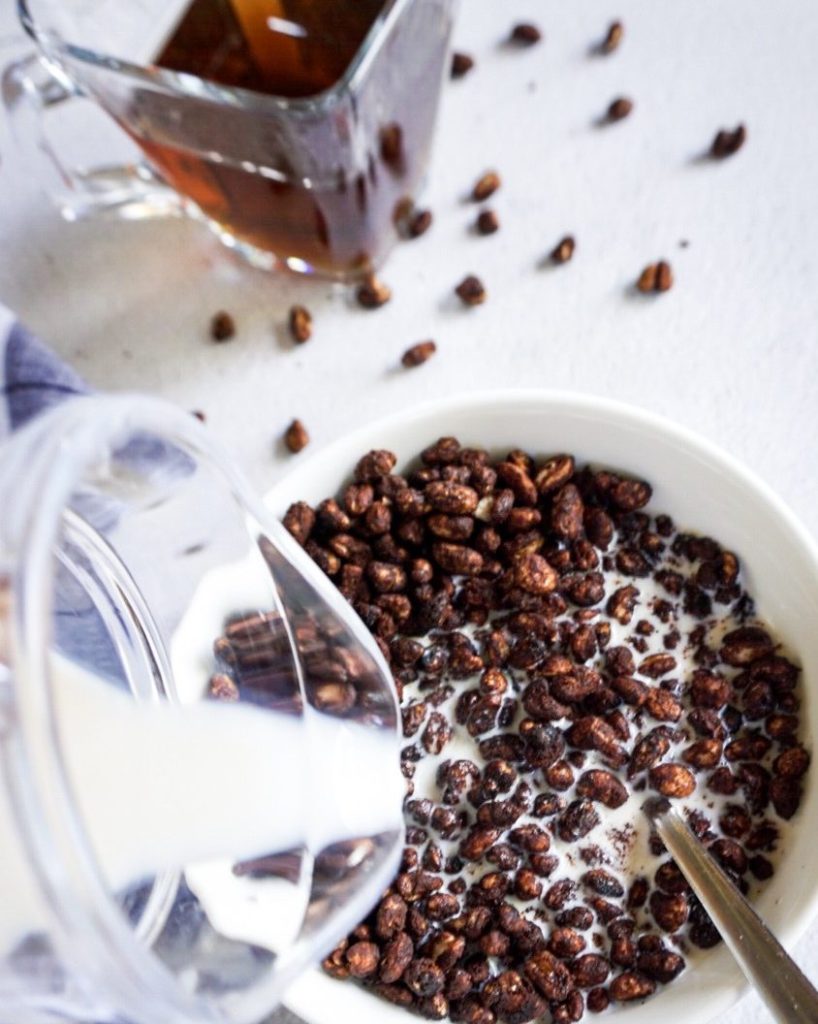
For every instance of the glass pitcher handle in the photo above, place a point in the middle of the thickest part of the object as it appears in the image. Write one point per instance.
(131, 191)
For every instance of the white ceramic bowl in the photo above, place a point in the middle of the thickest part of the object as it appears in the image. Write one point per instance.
(703, 489)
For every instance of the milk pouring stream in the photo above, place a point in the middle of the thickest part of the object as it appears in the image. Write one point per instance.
(162, 786)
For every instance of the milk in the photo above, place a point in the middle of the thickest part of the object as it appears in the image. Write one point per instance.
(200, 787)
(622, 837)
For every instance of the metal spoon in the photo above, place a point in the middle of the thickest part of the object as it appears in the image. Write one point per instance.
(788, 994)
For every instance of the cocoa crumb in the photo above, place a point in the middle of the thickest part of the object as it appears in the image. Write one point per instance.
(296, 437)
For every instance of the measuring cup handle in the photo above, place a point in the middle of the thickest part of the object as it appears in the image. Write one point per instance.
(31, 87)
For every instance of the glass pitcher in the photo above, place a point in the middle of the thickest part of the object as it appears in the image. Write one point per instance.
(315, 182)
(200, 789)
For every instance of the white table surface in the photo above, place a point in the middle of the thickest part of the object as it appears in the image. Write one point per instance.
(730, 351)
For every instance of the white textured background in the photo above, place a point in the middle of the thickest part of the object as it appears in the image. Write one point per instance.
(731, 351)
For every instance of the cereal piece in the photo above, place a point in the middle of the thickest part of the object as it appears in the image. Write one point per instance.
(656, 277)
(567, 512)
(418, 354)
(661, 965)
(745, 645)
(669, 911)
(602, 786)
(462, 63)
(613, 38)
(525, 34)
(362, 959)
(563, 251)
(373, 293)
(296, 437)
(631, 985)
(726, 142)
(391, 139)
(590, 970)
(577, 820)
(300, 323)
(554, 473)
(222, 687)
(672, 780)
(487, 222)
(470, 291)
(598, 1000)
(419, 223)
(485, 186)
(792, 763)
(374, 465)
(299, 521)
(222, 326)
(619, 108)
(391, 917)
(704, 753)
(396, 957)
(649, 751)
(549, 976)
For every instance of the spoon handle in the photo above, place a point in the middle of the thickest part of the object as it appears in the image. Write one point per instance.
(787, 992)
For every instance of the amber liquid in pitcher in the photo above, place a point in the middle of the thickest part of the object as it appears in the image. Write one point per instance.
(289, 48)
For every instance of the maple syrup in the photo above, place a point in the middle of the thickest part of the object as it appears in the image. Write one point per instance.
(325, 193)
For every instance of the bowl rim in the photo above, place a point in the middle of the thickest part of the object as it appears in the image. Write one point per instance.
(571, 402)
(582, 401)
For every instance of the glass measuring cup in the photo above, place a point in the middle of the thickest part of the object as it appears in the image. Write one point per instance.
(199, 755)
(311, 182)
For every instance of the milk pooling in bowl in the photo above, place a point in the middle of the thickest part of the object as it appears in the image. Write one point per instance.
(565, 652)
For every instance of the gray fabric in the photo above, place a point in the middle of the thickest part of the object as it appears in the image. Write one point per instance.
(283, 1016)
(34, 378)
